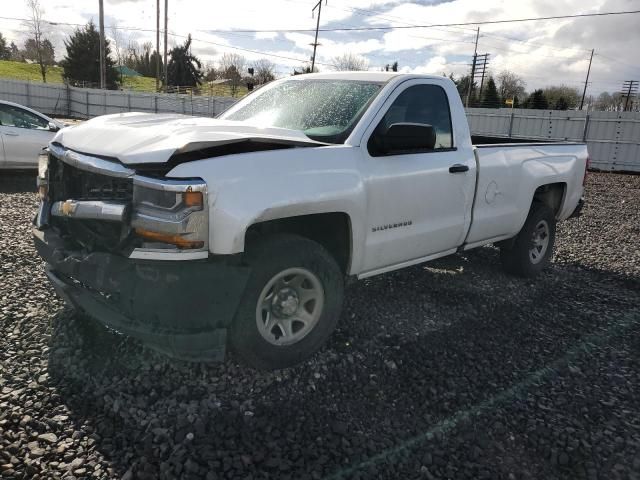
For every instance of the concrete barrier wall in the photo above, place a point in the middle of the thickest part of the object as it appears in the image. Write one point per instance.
(74, 102)
(613, 138)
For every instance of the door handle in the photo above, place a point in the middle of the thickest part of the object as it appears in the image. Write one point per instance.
(458, 168)
(9, 134)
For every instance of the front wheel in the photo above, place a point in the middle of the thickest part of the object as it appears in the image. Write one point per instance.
(532, 248)
(291, 303)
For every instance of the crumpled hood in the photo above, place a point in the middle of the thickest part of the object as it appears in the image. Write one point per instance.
(137, 138)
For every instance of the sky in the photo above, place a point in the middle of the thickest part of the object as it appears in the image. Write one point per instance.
(542, 53)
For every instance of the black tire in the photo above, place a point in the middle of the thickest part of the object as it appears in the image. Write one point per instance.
(268, 258)
(516, 256)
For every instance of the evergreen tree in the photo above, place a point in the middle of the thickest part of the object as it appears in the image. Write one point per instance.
(15, 54)
(155, 57)
(5, 53)
(184, 69)
(561, 104)
(490, 97)
(537, 101)
(82, 62)
(516, 102)
(462, 84)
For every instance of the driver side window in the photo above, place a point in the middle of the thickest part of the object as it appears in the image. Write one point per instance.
(418, 104)
(11, 116)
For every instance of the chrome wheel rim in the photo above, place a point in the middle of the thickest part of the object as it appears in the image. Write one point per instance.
(289, 306)
(539, 242)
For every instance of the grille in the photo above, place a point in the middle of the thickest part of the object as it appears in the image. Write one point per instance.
(69, 182)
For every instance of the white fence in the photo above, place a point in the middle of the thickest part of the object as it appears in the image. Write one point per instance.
(63, 100)
(613, 138)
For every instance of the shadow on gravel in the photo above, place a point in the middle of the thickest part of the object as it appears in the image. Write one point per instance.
(433, 372)
(18, 181)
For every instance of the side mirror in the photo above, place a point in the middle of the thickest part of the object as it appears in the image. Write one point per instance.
(53, 127)
(407, 137)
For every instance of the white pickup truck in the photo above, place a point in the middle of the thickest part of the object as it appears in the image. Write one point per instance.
(191, 233)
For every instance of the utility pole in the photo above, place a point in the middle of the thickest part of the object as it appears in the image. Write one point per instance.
(584, 92)
(315, 42)
(482, 62)
(629, 88)
(103, 70)
(158, 46)
(473, 69)
(166, 21)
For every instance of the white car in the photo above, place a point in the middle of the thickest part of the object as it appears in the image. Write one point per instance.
(23, 134)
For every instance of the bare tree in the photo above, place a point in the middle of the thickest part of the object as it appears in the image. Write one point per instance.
(609, 102)
(510, 85)
(229, 60)
(131, 54)
(211, 73)
(349, 62)
(36, 28)
(117, 42)
(264, 71)
(570, 96)
(231, 66)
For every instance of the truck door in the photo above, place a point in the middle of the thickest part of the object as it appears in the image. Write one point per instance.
(419, 200)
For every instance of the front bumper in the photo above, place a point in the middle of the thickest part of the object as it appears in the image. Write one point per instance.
(181, 308)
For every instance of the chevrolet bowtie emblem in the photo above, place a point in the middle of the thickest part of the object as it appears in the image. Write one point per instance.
(68, 208)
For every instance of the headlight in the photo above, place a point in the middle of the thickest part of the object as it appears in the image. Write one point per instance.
(170, 214)
(43, 175)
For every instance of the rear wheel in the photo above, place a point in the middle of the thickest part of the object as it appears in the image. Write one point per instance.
(531, 250)
(291, 304)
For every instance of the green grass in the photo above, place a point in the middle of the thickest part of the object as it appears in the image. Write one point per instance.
(31, 71)
(28, 71)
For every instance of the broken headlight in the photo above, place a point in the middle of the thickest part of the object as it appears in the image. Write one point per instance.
(43, 175)
(170, 216)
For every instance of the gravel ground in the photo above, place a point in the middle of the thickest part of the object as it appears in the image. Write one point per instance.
(451, 370)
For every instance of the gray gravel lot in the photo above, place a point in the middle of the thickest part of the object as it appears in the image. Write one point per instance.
(451, 370)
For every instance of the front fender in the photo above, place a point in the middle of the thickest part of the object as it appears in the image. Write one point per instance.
(255, 187)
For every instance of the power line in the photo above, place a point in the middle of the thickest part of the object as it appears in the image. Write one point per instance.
(629, 88)
(635, 67)
(586, 82)
(401, 27)
(237, 32)
(136, 29)
(433, 25)
(394, 18)
(315, 41)
(532, 43)
(247, 50)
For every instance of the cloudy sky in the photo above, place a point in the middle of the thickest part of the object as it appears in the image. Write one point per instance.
(543, 52)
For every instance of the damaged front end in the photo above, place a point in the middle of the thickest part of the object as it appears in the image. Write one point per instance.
(132, 252)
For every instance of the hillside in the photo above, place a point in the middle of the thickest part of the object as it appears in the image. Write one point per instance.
(28, 71)
(31, 72)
